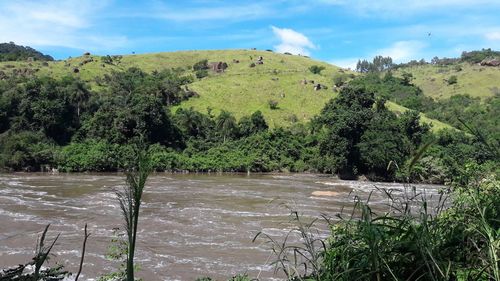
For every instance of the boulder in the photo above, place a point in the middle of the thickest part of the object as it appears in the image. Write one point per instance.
(324, 193)
(218, 66)
(491, 62)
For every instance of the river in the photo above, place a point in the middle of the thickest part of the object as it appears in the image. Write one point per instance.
(191, 225)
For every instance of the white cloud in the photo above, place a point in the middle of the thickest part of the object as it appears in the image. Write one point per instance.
(402, 51)
(493, 36)
(292, 41)
(345, 62)
(54, 23)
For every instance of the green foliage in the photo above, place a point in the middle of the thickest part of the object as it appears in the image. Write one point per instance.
(107, 59)
(117, 252)
(130, 199)
(226, 125)
(452, 80)
(93, 155)
(478, 114)
(399, 90)
(201, 73)
(13, 52)
(44, 104)
(28, 151)
(340, 79)
(252, 125)
(273, 104)
(316, 69)
(201, 65)
(359, 137)
(378, 64)
(478, 56)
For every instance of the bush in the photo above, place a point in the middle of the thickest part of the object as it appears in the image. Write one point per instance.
(340, 79)
(452, 80)
(201, 65)
(273, 104)
(315, 69)
(28, 151)
(201, 73)
(98, 156)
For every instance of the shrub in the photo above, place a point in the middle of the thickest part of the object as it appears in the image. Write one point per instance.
(316, 69)
(201, 73)
(273, 104)
(340, 79)
(201, 65)
(452, 80)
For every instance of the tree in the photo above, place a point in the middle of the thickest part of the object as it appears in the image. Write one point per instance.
(382, 142)
(226, 125)
(253, 124)
(345, 119)
(378, 64)
(258, 121)
(193, 123)
(78, 92)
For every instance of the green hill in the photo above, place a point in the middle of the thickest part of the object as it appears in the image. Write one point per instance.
(240, 89)
(472, 79)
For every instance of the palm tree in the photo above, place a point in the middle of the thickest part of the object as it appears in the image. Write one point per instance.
(226, 124)
(79, 95)
(190, 120)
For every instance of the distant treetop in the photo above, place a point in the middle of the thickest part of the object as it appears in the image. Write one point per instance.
(12, 52)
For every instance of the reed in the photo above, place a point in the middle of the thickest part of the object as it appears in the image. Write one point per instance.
(129, 199)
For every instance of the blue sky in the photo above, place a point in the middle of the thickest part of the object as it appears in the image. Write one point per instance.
(336, 31)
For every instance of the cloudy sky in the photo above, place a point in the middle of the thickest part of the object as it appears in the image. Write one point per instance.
(336, 31)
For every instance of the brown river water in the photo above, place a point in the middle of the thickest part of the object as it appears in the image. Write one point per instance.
(190, 225)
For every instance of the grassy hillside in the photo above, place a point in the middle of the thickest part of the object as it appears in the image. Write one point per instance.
(241, 89)
(475, 80)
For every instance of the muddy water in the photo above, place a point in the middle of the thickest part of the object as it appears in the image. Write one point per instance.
(190, 225)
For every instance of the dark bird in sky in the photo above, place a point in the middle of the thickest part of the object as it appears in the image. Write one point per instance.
(429, 34)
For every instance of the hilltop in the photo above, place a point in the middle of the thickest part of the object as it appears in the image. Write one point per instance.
(472, 79)
(474, 73)
(12, 52)
(240, 89)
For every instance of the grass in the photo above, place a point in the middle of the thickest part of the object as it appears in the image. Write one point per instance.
(436, 124)
(240, 90)
(475, 80)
